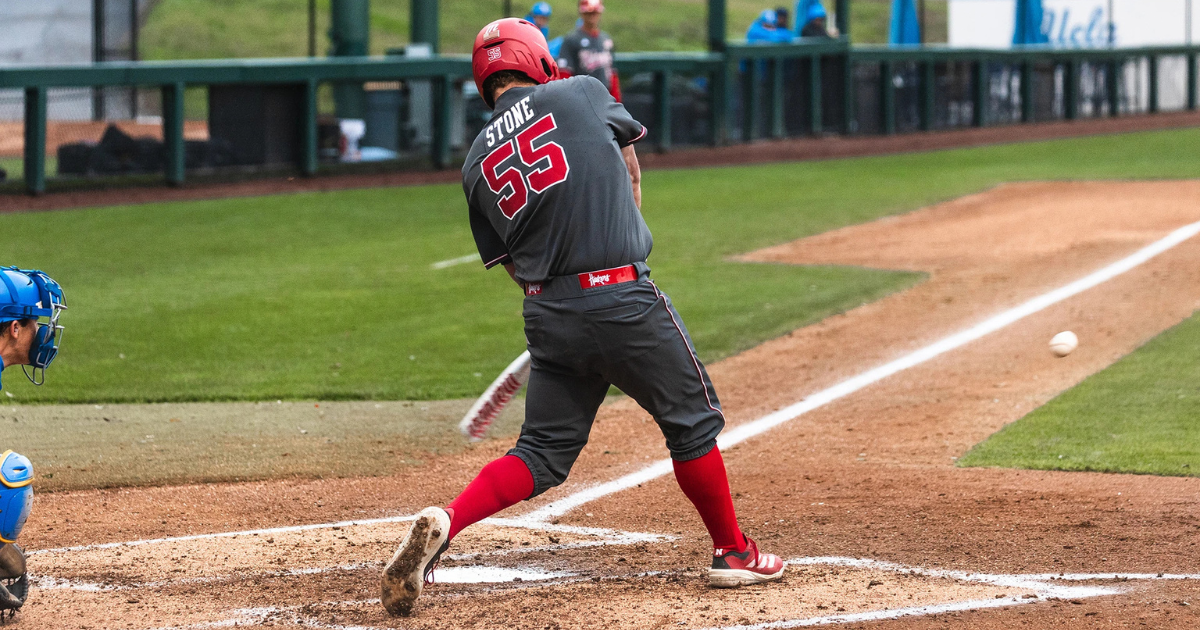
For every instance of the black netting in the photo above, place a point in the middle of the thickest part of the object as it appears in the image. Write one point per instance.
(691, 110)
(116, 35)
(1133, 82)
(1047, 91)
(906, 79)
(691, 118)
(797, 97)
(1003, 104)
(953, 106)
(751, 107)
(833, 94)
(1094, 90)
(868, 110)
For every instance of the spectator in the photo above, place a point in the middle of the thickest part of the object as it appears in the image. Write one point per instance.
(539, 14)
(588, 50)
(814, 22)
(781, 18)
(766, 29)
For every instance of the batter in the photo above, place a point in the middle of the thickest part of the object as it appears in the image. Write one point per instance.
(553, 189)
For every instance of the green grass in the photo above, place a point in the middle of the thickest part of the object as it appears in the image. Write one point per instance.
(13, 166)
(330, 295)
(96, 446)
(207, 29)
(1137, 416)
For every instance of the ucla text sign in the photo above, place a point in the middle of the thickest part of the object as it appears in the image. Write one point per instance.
(1078, 23)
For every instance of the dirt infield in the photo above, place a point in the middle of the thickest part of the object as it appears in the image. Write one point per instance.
(860, 491)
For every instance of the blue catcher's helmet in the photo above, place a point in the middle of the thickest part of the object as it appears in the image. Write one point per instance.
(31, 294)
(16, 494)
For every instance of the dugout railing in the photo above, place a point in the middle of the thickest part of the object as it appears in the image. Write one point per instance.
(422, 112)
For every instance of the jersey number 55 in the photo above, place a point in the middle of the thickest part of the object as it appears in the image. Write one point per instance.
(548, 163)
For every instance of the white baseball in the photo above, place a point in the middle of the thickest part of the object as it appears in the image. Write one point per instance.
(1064, 343)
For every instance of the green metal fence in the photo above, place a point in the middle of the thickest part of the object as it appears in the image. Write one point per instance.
(1110, 76)
(742, 94)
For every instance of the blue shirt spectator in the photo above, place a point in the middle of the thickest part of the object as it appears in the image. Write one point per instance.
(766, 30)
(539, 14)
(812, 18)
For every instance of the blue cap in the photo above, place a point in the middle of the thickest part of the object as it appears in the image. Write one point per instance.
(815, 10)
(541, 9)
(767, 17)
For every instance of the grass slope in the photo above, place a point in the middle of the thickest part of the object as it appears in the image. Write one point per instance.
(78, 447)
(207, 29)
(1137, 416)
(330, 295)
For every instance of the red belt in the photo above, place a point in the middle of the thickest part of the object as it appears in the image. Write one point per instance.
(605, 277)
(593, 279)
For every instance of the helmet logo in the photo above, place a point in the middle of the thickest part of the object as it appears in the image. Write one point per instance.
(493, 54)
(492, 32)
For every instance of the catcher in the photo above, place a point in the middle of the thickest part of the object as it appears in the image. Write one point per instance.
(553, 186)
(26, 296)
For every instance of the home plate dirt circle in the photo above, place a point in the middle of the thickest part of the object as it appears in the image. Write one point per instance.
(860, 492)
(145, 583)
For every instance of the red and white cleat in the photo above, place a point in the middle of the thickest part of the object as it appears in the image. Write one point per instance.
(731, 569)
(412, 566)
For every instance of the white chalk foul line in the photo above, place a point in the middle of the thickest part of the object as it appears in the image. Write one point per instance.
(1038, 583)
(883, 615)
(609, 536)
(246, 532)
(819, 399)
(1043, 589)
(461, 260)
(603, 537)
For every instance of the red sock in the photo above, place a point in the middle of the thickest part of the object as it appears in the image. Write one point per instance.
(502, 483)
(704, 482)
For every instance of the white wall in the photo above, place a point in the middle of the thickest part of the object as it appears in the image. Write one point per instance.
(46, 31)
(1076, 23)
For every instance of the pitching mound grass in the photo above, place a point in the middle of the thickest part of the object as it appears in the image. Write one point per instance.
(1137, 416)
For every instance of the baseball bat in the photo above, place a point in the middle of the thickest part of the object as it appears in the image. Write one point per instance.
(479, 418)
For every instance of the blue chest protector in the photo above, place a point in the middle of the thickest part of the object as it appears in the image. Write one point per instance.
(16, 494)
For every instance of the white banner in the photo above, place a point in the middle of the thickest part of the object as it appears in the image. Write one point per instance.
(1078, 23)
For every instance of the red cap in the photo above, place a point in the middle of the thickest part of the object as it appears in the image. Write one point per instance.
(591, 6)
(511, 44)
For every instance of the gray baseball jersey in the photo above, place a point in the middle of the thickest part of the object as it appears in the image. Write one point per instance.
(546, 184)
(583, 53)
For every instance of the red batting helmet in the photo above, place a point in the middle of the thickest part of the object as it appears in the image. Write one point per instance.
(511, 44)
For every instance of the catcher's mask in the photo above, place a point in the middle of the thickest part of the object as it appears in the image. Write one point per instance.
(33, 294)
